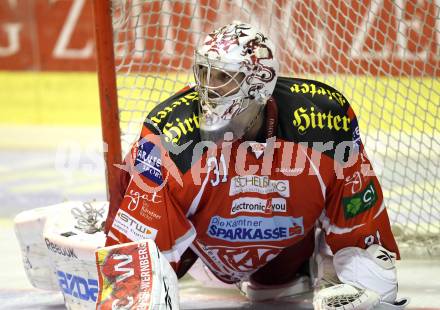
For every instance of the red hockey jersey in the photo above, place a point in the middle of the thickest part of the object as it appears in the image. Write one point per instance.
(237, 205)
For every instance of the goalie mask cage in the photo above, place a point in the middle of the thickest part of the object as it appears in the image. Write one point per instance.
(382, 55)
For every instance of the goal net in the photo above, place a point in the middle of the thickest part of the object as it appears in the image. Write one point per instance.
(383, 55)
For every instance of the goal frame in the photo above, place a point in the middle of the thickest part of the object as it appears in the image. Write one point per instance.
(388, 74)
(108, 97)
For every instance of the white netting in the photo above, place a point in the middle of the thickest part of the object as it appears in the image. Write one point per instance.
(382, 55)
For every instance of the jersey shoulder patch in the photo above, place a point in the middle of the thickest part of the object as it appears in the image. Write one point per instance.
(176, 120)
(315, 113)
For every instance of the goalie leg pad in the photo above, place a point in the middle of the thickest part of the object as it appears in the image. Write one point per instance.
(29, 226)
(57, 254)
(136, 276)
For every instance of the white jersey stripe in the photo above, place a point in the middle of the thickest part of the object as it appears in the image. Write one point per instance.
(318, 175)
(182, 243)
(195, 203)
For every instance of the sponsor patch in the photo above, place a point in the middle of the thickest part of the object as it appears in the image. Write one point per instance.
(149, 214)
(187, 100)
(134, 197)
(251, 229)
(356, 134)
(305, 118)
(77, 286)
(355, 181)
(148, 161)
(257, 205)
(313, 89)
(258, 184)
(63, 251)
(132, 228)
(125, 276)
(360, 202)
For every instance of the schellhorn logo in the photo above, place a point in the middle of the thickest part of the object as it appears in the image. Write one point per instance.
(257, 205)
(258, 184)
(78, 287)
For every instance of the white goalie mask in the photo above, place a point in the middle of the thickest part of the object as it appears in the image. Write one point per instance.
(236, 72)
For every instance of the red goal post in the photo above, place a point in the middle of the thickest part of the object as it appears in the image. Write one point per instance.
(111, 133)
(383, 55)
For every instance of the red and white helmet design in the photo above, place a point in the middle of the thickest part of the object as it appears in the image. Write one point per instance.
(234, 68)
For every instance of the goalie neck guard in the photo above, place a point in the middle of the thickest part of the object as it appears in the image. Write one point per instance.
(235, 72)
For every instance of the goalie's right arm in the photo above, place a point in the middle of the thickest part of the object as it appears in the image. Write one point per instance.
(148, 209)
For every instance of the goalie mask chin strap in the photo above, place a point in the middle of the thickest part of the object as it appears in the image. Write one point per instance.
(271, 118)
(270, 122)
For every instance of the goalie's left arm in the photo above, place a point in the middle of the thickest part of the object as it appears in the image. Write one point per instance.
(358, 230)
(369, 281)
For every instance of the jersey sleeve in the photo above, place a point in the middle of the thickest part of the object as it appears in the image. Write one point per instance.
(355, 213)
(148, 209)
